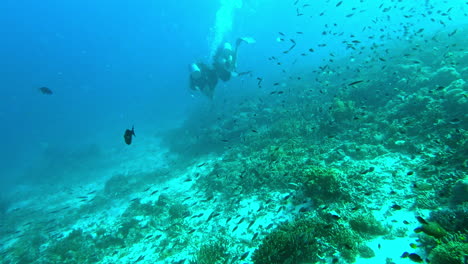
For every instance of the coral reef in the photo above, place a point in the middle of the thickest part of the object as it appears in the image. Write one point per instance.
(212, 253)
(367, 225)
(450, 253)
(307, 240)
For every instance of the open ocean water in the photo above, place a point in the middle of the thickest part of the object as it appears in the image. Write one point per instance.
(234, 131)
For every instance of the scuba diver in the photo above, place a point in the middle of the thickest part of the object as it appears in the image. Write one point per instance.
(204, 79)
(225, 59)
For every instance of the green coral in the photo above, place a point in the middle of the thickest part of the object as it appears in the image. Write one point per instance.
(27, 248)
(366, 251)
(130, 230)
(212, 253)
(304, 240)
(452, 252)
(136, 208)
(117, 186)
(367, 225)
(322, 184)
(178, 211)
(343, 110)
(77, 247)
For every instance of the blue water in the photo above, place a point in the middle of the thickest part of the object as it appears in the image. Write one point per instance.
(114, 64)
(110, 64)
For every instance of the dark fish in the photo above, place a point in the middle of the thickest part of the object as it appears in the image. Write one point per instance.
(244, 255)
(255, 236)
(140, 258)
(415, 257)
(452, 33)
(421, 220)
(208, 198)
(213, 214)
(201, 165)
(356, 82)
(396, 207)
(259, 81)
(339, 3)
(128, 135)
(45, 90)
(251, 224)
(298, 13)
(455, 121)
(335, 217)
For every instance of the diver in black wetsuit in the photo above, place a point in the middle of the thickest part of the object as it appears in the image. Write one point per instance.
(225, 59)
(204, 79)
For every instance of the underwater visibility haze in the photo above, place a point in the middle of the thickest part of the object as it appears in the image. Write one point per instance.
(234, 131)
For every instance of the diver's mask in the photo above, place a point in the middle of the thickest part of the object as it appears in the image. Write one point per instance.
(227, 46)
(195, 71)
(227, 49)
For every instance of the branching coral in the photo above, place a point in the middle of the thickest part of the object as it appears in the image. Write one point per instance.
(307, 240)
(450, 253)
(212, 253)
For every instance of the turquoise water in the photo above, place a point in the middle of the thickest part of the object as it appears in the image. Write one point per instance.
(344, 142)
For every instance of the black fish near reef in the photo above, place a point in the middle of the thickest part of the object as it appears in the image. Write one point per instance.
(356, 82)
(45, 90)
(128, 135)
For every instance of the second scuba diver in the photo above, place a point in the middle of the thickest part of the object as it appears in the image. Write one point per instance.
(204, 79)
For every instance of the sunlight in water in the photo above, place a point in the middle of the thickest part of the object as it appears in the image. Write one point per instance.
(223, 24)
